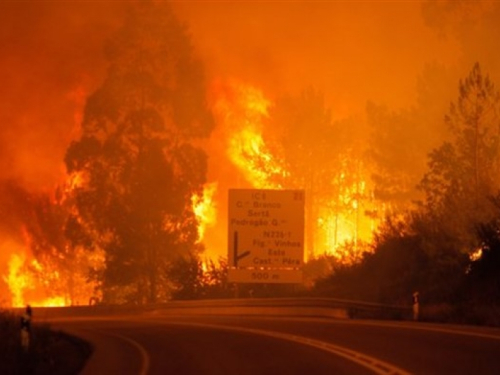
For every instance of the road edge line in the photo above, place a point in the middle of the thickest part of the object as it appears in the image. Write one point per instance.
(377, 366)
(144, 354)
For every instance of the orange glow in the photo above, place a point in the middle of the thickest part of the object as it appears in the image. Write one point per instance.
(22, 282)
(75, 180)
(241, 110)
(16, 281)
(30, 282)
(205, 209)
(58, 277)
(328, 52)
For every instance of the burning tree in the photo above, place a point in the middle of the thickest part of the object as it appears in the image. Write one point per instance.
(137, 163)
(431, 248)
(293, 143)
(45, 268)
(395, 152)
(323, 157)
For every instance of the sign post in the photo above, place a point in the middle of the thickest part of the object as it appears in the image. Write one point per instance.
(265, 236)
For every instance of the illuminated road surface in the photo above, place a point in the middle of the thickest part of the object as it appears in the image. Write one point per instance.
(245, 345)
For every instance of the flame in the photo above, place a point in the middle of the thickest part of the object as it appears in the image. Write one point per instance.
(476, 255)
(56, 277)
(205, 209)
(75, 180)
(22, 280)
(37, 284)
(241, 110)
(16, 281)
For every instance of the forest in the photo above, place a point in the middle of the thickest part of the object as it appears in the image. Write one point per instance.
(399, 199)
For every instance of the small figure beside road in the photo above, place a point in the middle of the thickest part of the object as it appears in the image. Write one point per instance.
(415, 306)
(26, 327)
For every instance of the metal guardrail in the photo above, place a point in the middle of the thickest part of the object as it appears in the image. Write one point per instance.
(306, 306)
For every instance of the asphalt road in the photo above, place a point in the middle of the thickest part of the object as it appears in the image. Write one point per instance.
(157, 343)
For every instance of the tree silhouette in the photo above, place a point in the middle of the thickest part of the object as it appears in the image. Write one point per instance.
(321, 156)
(464, 173)
(136, 159)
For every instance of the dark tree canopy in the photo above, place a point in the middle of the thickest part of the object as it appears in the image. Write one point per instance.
(464, 172)
(136, 159)
(429, 249)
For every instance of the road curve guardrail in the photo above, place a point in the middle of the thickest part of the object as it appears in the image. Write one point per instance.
(306, 306)
(330, 307)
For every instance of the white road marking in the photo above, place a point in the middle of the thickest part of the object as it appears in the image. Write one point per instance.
(429, 327)
(373, 364)
(420, 326)
(144, 354)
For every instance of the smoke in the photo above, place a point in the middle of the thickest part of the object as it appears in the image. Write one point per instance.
(353, 51)
(51, 55)
(51, 58)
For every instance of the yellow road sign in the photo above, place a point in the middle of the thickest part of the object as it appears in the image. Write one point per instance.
(266, 229)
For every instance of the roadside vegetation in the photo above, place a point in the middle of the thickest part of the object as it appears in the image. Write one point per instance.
(126, 222)
(437, 197)
(50, 352)
(446, 246)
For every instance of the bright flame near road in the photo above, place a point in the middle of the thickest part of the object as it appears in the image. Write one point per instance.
(22, 280)
(205, 209)
(241, 110)
(16, 281)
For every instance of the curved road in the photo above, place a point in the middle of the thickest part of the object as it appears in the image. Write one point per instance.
(157, 343)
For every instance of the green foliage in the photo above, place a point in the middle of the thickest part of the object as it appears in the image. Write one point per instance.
(136, 155)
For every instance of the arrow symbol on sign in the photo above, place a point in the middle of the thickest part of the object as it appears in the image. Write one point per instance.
(236, 256)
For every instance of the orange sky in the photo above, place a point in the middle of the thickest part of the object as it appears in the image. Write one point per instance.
(353, 51)
(51, 56)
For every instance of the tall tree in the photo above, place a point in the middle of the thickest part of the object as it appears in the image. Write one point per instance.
(304, 126)
(396, 153)
(464, 173)
(400, 139)
(136, 158)
(320, 156)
